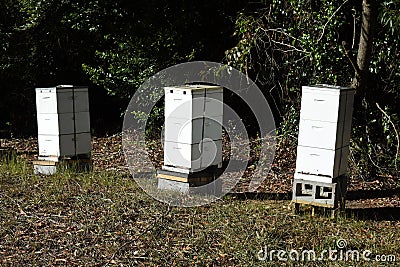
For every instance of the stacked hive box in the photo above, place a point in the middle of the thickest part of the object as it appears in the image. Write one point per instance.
(323, 143)
(63, 123)
(193, 131)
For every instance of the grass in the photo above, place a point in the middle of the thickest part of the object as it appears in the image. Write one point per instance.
(105, 219)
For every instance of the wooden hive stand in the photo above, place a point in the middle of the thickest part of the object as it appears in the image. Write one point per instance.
(50, 167)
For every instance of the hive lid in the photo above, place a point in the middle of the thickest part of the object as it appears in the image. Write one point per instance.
(80, 88)
(196, 87)
(326, 87)
(62, 88)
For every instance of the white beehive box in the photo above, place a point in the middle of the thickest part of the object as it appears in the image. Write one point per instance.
(62, 99)
(324, 130)
(322, 162)
(193, 126)
(63, 121)
(64, 145)
(193, 156)
(192, 131)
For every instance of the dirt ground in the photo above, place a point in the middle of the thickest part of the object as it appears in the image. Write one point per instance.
(107, 154)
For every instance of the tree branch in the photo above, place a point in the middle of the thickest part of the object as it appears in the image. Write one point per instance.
(352, 62)
(395, 130)
(330, 18)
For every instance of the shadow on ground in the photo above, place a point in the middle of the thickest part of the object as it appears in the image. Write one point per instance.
(367, 213)
(372, 194)
(375, 214)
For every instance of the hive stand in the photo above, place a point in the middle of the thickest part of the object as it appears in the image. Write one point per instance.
(320, 194)
(203, 182)
(48, 167)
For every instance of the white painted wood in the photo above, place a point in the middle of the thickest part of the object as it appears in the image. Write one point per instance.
(56, 145)
(63, 121)
(55, 124)
(325, 103)
(193, 156)
(64, 145)
(192, 114)
(324, 131)
(58, 124)
(182, 155)
(175, 169)
(320, 134)
(51, 100)
(183, 130)
(193, 131)
(313, 178)
(320, 107)
(61, 99)
(183, 103)
(317, 161)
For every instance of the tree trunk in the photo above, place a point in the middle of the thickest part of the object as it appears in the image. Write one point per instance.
(368, 24)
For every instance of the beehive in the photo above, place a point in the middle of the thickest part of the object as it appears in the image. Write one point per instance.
(63, 121)
(193, 127)
(324, 131)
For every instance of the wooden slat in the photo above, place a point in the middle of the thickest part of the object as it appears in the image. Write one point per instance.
(184, 179)
(313, 203)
